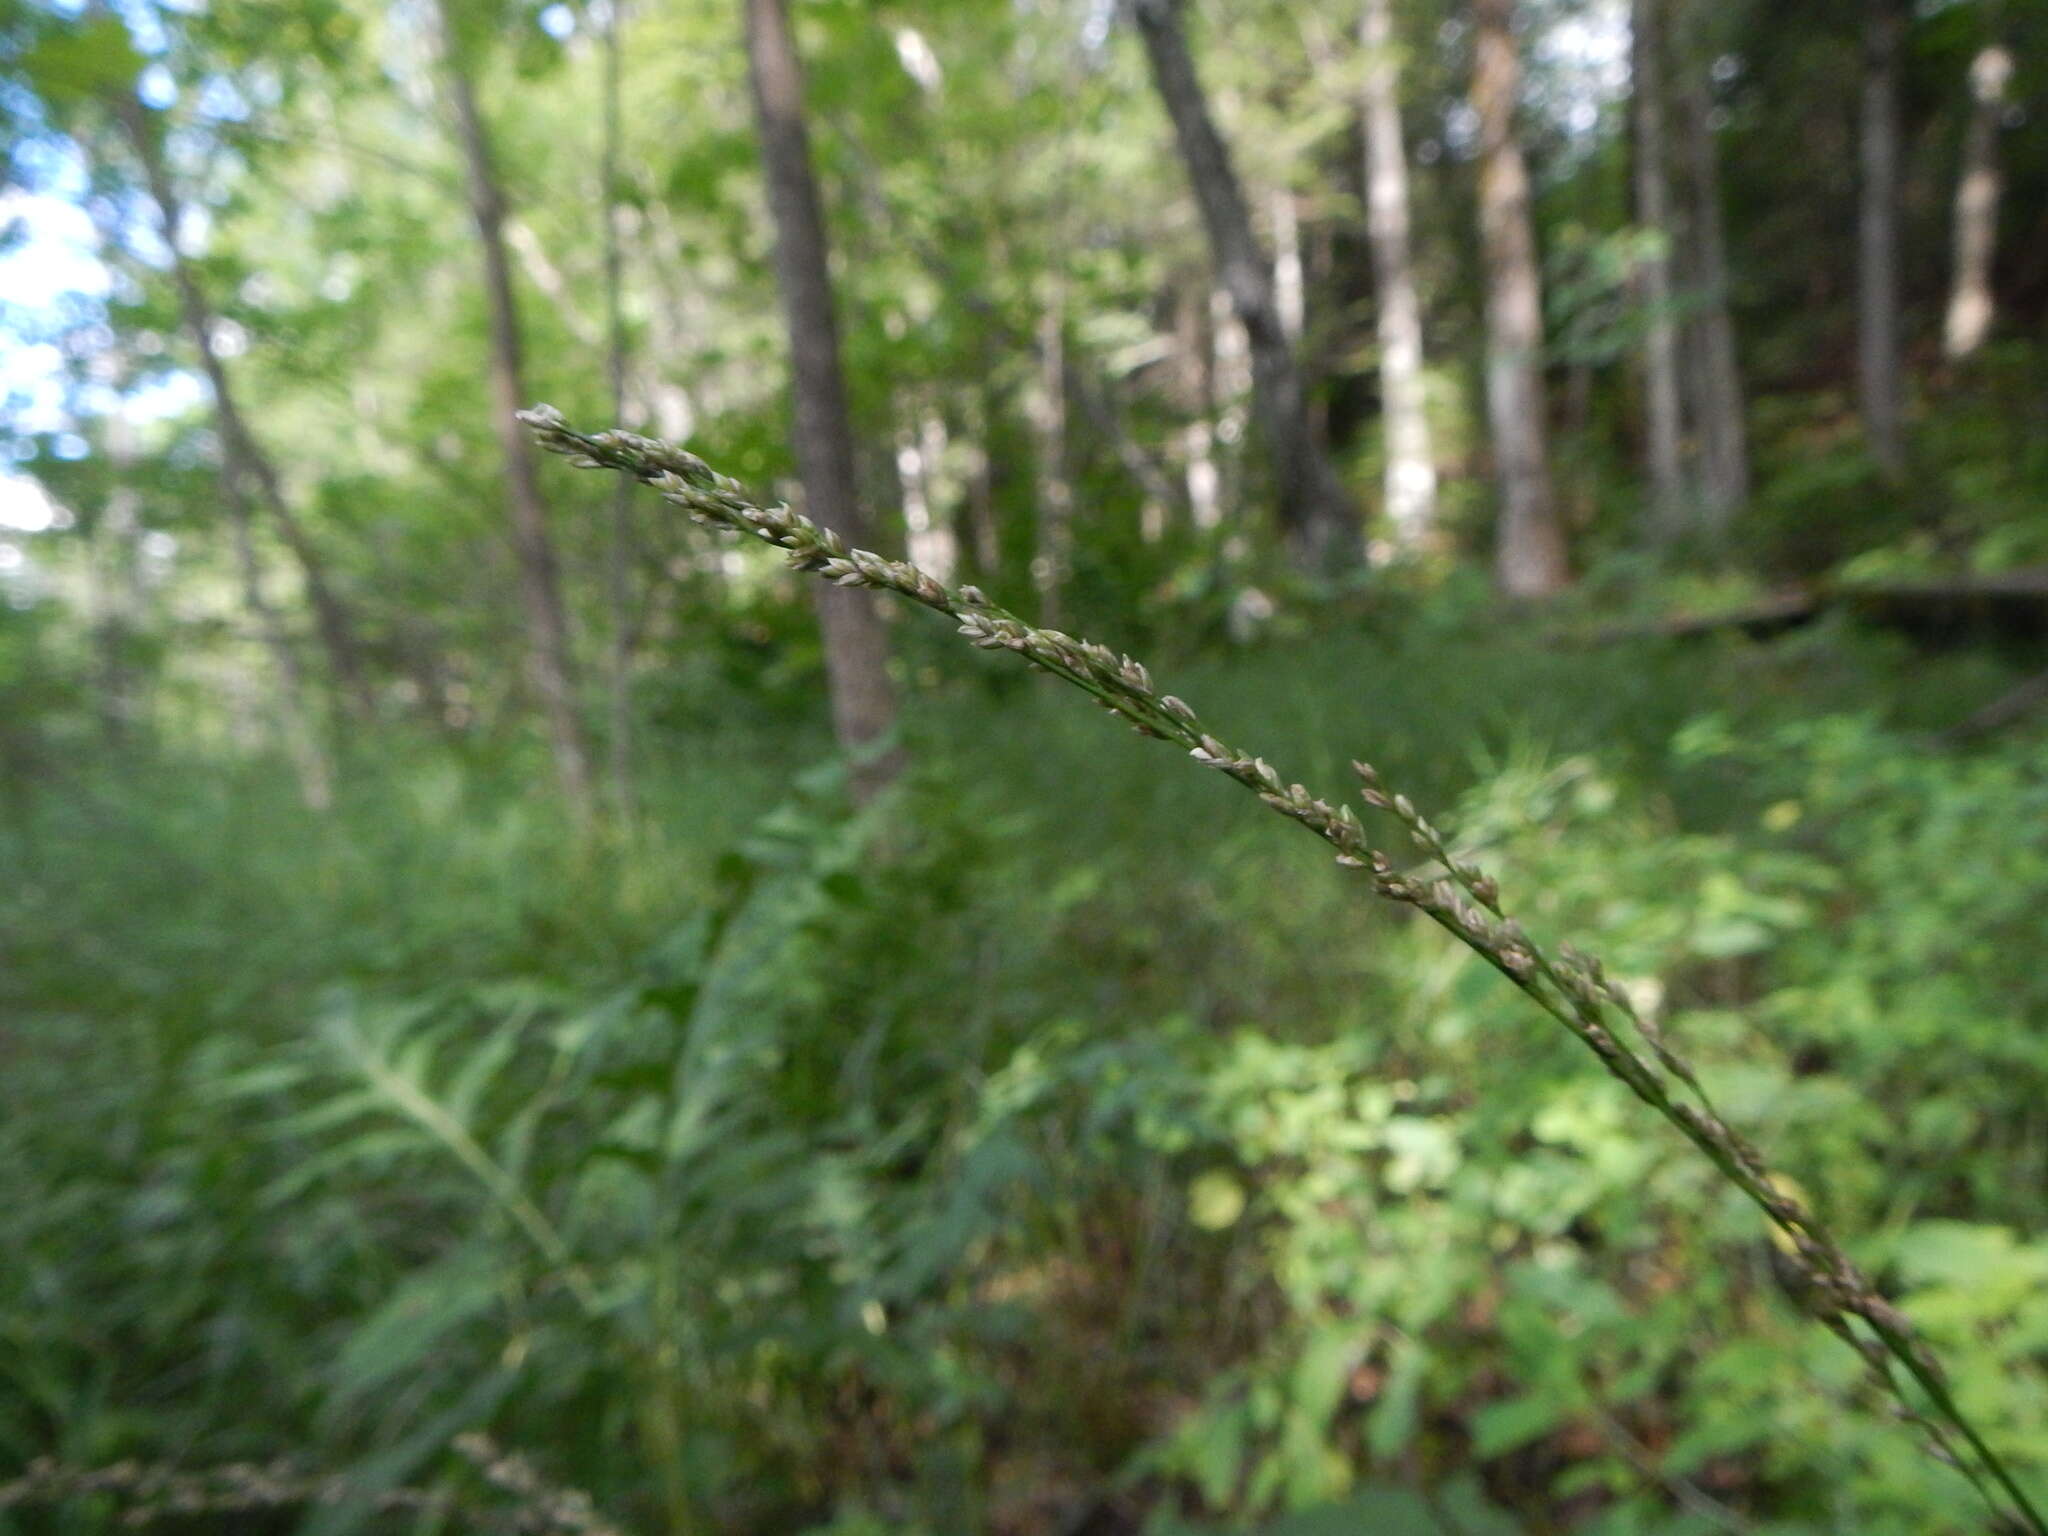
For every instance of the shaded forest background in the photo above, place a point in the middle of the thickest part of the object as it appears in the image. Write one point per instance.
(513, 1016)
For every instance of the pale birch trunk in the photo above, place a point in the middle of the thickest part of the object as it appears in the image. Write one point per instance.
(1529, 550)
(1290, 274)
(1410, 484)
(1970, 304)
(1213, 342)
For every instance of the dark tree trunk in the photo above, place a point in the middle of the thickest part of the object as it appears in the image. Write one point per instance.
(1529, 552)
(1053, 563)
(1316, 516)
(550, 656)
(1092, 388)
(1660, 331)
(1723, 429)
(1880, 386)
(856, 648)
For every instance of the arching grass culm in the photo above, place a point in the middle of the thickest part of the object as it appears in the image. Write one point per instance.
(1563, 981)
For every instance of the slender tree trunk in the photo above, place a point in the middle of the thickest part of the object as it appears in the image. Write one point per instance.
(107, 590)
(619, 552)
(1198, 345)
(550, 656)
(1098, 395)
(1205, 480)
(1053, 563)
(1880, 385)
(1723, 429)
(564, 299)
(114, 598)
(1970, 305)
(243, 458)
(930, 536)
(1653, 214)
(301, 742)
(1313, 347)
(856, 648)
(1529, 552)
(1229, 388)
(1086, 385)
(1290, 272)
(1316, 515)
(985, 534)
(1411, 462)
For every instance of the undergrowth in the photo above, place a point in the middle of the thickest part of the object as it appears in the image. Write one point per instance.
(1050, 1145)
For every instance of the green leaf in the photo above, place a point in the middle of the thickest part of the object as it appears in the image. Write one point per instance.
(478, 1070)
(1501, 1427)
(395, 1339)
(83, 60)
(1396, 1410)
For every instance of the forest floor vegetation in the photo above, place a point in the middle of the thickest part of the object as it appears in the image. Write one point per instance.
(1049, 1146)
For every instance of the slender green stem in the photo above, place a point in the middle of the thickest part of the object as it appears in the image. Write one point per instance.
(1569, 986)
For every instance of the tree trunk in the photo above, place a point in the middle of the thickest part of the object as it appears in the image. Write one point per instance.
(301, 742)
(1879, 382)
(1411, 463)
(1723, 429)
(1098, 396)
(1053, 563)
(1529, 553)
(1653, 214)
(619, 552)
(985, 534)
(1086, 384)
(856, 649)
(114, 596)
(929, 534)
(1316, 516)
(550, 658)
(1290, 272)
(1970, 304)
(242, 457)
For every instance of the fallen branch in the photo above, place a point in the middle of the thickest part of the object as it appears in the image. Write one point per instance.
(2013, 603)
(1757, 620)
(2009, 707)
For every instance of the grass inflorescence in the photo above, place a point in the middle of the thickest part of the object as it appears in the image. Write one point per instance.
(1565, 982)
